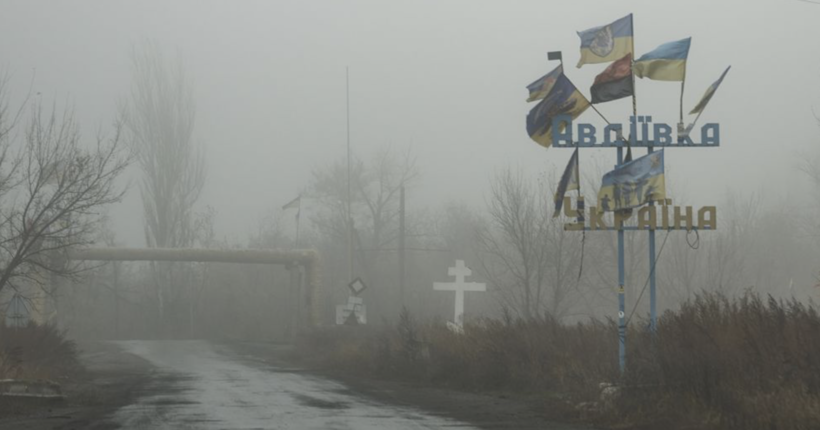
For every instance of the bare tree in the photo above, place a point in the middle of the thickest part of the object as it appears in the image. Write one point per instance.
(51, 197)
(374, 205)
(526, 254)
(159, 116)
(374, 195)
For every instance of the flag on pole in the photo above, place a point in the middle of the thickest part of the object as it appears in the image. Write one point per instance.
(615, 82)
(709, 93)
(563, 99)
(607, 42)
(633, 184)
(569, 181)
(666, 62)
(541, 87)
(294, 204)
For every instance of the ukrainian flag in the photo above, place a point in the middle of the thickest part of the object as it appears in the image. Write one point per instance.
(709, 93)
(666, 63)
(606, 43)
(563, 99)
(633, 184)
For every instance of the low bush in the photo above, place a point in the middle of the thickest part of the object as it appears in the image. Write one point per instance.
(715, 363)
(36, 352)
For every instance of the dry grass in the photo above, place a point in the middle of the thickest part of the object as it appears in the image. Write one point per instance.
(36, 352)
(714, 364)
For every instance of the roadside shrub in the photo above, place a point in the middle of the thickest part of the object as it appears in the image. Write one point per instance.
(36, 352)
(749, 363)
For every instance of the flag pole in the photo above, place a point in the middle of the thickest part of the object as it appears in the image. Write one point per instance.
(298, 216)
(632, 42)
(681, 95)
(621, 252)
(349, 220)
(682, 84)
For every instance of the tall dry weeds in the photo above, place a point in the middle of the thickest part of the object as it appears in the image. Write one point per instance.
(36, 352)
(715, 363)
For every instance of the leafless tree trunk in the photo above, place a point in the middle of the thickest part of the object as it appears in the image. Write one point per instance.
(524, 253)
(374, 202)
(159, 117)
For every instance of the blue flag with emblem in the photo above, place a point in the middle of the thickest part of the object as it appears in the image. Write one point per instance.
(633, 184)
(563, 99)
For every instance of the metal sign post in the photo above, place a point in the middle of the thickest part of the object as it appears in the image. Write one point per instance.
(647, 216)
(638, 186)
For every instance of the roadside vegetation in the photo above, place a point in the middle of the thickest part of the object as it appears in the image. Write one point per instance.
(715, 363)
(36, 352)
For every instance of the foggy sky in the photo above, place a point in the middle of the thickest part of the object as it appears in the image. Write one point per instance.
(447, 78)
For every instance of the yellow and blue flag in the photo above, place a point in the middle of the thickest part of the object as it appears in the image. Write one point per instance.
(606, 43)
(563, 99)
(541, 87)
(570, 180)
(665, 63)
(633, 184)
(709, 93)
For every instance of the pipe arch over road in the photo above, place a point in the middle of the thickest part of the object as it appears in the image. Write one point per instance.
(305, 257)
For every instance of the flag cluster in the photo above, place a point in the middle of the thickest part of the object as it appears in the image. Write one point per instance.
(632, 183)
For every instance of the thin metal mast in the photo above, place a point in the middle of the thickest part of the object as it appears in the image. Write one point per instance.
(349, 218)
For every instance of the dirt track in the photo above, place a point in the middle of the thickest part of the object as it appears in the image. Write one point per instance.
(198, 385)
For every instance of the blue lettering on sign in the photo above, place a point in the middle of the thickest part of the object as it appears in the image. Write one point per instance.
(642, 132)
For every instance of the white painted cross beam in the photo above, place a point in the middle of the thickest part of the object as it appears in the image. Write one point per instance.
(459, 286)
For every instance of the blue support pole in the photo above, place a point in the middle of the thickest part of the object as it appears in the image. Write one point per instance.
(653, 314)
(621, 298)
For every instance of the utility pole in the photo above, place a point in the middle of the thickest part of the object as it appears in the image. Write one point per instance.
(349, 218)
(401, 245)
(116, 266)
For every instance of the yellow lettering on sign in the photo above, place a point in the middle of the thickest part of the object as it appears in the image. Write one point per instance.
(647, 218)
(577, 213)
(621, 216)
(568, 211)
(687, 218)
(596, 219)
(665, 213)
(711, 222)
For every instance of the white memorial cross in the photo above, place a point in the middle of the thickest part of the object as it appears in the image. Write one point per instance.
(459, 286)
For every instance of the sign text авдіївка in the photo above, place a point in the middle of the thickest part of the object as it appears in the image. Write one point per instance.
(642, 132)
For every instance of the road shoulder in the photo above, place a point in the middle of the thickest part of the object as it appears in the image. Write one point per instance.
(112, 379)
(483, 410)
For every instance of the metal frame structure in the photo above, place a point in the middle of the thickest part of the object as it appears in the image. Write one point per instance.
(653, 316)
(307, 257)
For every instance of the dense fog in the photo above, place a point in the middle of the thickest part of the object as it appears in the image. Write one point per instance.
(434, 97)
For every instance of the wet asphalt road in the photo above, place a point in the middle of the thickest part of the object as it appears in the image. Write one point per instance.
(196, 386)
